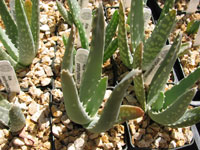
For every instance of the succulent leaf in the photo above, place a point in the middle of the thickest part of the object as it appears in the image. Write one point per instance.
(191, 117)
(111, 110)
(111, 29)
(158, 104)
(136, 23)
(5, 56)
(112, 47)
(74, 108)
(75, 11)
(183, 86)
(4, 111)
(167, 6)
(174, 111)
(67, 62)
(26, 44)
(128, 112)
(35, 23)
(138, 80)
(193, 27)
(159, 36)
(93, 70)
(97, 98)
(10, 25)
(28, 10)
(160, 78)
(125, 53)
(17, 119)
(10, 47)
(65, 14)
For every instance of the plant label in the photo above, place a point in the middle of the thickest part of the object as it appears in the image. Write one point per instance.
(197, 39)
(86, 20)
(8, 77)
(80, 63)
(83, 3)
(127, 3)
(192, 6)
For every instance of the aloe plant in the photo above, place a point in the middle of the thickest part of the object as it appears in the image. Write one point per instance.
(11, 115)
(82, 104)
(168, 108)
(72, 16)
(21, 35)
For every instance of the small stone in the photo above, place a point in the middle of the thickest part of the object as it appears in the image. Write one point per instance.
(172, 144)
(36, 116)
(137, 136)
(65, 120)
(108, 145)
(71, 146)
(177, 135)
(79, 143)
(47, 145)
(44, 28)
(160, 143)
(55, 111)
(18, 142)
(36, 92)
(45, 81)
(56, 130)
(33, 108)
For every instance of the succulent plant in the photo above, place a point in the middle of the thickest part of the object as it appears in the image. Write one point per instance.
(82, 104)
(21, 35)
(11, 115)
(169, 108)
(72, 17)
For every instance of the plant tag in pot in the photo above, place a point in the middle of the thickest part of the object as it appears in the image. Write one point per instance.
(149, 74)
(83, 3)
(197, 39)
(8, 77)
(86, 20)
(127, 3)
(192, 6)
(80, 62)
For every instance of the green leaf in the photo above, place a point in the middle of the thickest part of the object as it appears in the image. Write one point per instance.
(158, 38)
(10, 25)
(160, 78)
(139, 80)
(67, 62)
(28, 10)
(111, 110)
(167, 6)
(112, 47)
(158, 104)
(74, 108)
(5, 56)
(174, 111)
(17, 119)
(97, 98)
(191, 117)
(4, 116)
(137, 23)
(75, 11)
(193, 27)
(65, 14)
(26, 44)
(111, 29)
(183, 86)
(93, 70)
(9, 46)
(35, 23)
(125, 53)
(128, 112)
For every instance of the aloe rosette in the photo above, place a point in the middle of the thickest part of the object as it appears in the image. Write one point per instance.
(11, 115)
(72, 17)
(21, 35)
(82, 104)
(168, 108)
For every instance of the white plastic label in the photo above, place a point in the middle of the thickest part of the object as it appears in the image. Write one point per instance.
(86, 20)
(147, 16)
(197, 39)
(127, 3)
(8, 77)
(83, 3)
(80, 63)
(192, 6)
(149, 74)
